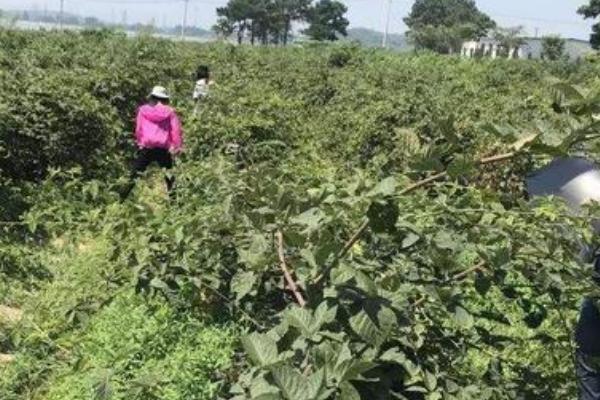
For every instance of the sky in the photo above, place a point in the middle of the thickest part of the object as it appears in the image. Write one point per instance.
(542, 16)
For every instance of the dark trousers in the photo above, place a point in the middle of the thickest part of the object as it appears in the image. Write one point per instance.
(144, 159)
(588, 375)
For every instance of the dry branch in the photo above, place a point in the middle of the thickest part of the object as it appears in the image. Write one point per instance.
(478, 268)
(286, 272)
(517, 146)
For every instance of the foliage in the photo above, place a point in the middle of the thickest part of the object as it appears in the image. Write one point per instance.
(373, 38)
(265, 20)
(441, 39)
(417, 287)
(553, 48)
(439, 25)
(509, 41)
(49, 100)
(592, 10)
(133, 351)
(326, 20)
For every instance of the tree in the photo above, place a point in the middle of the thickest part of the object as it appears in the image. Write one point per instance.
(260, 15)
(285, 12)
(509, 41)
(262, 20)
(441, 39)
(327, 20)
(223, 28)
(233, 18)
(430, 21)
(554, 48)
(592, 10)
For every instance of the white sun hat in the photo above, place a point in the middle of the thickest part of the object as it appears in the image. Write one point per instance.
(160, 93)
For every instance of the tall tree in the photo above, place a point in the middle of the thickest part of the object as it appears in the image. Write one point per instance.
(592, 10)
(262, 20)
(223, 28)
(442, 25)
(327, 20)
(285, 12)
(234, 17)
(553, 48)
(441, 39)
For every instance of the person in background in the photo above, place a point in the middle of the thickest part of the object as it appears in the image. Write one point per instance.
(202, 87)
(158, 136)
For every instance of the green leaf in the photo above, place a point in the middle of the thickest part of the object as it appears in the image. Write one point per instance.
(463, 318)
(256, 255)
(260, 389)
(308, 323)
(461, 166)
(159, 284)
(445, 240)
(102, 388)
(364, 282)
(179, 236)
(342, 274)
(410, 240)
(261, 349)
(300, 318)
(393, 355)
(295, 386)
(386, 187)
(364, 327)
(430, 381)
(355, 368)
(348, 392)
(324, 315)
(309, 257)
(266, 396)
(311, 219)
(242, 283)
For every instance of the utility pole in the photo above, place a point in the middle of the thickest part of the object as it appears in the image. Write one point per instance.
(184, 22)
(61, 14)
(387, 24)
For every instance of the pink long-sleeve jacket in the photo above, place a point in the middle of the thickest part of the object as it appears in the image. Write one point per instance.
(159, 127)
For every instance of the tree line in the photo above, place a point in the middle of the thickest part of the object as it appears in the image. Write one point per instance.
(270, 21)
(437, 25)
(444, 25)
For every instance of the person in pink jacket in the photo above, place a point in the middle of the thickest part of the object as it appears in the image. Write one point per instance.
(158, 136)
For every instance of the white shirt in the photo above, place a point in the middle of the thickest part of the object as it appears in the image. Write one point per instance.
(201, 89)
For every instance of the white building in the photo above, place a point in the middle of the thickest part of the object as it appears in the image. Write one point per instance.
(531, 49)
(491, 48)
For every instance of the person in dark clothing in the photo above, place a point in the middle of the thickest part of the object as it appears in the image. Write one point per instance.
(158, 136)
(588, 345)
(577, 181)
